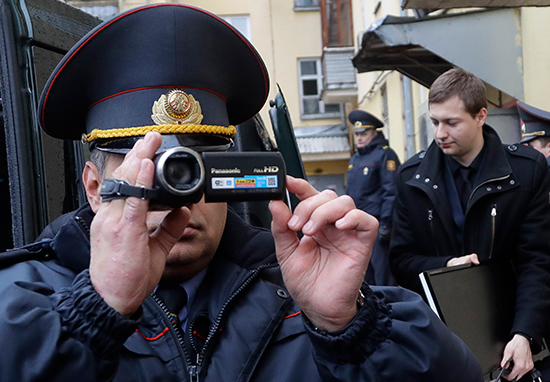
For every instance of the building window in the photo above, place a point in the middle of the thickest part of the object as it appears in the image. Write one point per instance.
(336, 23)
(241, 23)
(306, 5)
(311, 84)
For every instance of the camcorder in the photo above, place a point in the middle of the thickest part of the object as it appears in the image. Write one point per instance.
(183, 176)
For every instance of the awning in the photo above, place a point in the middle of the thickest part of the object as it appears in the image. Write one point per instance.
(447, 4)
(323, 143)
(486, 43)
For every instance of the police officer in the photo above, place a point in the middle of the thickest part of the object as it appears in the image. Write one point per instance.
(371, 176)
(535, 129)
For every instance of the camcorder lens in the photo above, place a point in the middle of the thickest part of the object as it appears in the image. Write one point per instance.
(182, 172)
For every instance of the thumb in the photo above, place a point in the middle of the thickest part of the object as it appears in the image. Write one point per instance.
(170, 230)
(285, 238)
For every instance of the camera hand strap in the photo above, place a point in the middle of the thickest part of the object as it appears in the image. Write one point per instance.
(119, 189)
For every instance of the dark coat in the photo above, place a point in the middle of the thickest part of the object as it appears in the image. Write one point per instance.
(507, 217)
(243, 325)
(371, 178)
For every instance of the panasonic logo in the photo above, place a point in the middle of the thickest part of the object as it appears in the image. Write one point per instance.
(235, 170)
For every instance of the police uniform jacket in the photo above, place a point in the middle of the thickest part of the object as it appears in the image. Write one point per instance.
(371, 176)
(243, 325)
(507, 217)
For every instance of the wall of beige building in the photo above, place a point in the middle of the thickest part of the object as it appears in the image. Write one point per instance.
(535, 38)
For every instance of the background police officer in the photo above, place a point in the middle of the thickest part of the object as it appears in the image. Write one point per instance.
(535, 130)
(371, 175)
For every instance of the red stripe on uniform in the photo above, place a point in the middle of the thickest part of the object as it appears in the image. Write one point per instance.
(293, 315)
(156, 337)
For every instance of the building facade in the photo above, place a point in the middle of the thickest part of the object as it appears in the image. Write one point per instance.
(332, 56)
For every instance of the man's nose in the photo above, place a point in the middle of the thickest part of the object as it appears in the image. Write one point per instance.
(440, 131)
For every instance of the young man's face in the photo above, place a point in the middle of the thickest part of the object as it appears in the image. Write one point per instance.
(456, 132)
(538, 145)
(362, 139)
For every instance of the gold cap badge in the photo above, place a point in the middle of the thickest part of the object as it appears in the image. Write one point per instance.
(177, 108)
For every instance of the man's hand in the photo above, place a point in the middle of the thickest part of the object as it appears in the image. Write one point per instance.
(325, 269)
(519, 350)
(472, 258)
(126, 262)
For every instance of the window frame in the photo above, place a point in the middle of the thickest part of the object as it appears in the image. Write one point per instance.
(318, 76)
(248, 32)
(326, 27)
(313, 6)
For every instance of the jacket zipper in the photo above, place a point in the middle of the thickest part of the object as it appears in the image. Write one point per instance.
(194, 369)
(184, 354)
(430, 219)
(82, 224)
(215, 328)
(493, 226)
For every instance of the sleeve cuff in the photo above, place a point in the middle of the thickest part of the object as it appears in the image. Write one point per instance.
(91, 320)
(360, 338)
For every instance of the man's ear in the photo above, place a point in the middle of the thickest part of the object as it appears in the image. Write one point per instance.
(92, 183)
(482, 116)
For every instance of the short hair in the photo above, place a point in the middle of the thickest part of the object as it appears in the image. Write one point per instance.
(544, 141)
(100, 158)
(458, 82)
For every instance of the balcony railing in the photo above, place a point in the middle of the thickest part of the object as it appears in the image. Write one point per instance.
(339, 82)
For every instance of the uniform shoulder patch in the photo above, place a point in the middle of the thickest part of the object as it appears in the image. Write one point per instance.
(385, 147)
(350, 166)
(390, 165)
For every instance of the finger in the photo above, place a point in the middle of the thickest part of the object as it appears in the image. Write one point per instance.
(171, 228)
(135, 209)
(506, 357)
(358, 220)
(143, 149)
(300, 187)
(285, 238)
(327, 213)
(304, 209)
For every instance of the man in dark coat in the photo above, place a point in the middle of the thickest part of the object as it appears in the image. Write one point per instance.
(371, 184)
(245, 304)
(499, 209)
(535, 129)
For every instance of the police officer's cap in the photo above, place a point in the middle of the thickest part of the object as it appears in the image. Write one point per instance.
(362, 121)
(536, 122)
(170, 68)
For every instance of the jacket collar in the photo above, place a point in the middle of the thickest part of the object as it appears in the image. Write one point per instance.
(495, 165)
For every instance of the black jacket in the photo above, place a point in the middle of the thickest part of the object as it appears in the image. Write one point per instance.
(371, 178)
(243, 325)
(507, 217)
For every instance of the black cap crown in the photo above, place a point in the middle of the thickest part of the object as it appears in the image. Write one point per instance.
(536, 122)
(171, 68)
(362, 121)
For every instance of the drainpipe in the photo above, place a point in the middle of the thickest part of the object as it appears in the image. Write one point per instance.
(409, 120)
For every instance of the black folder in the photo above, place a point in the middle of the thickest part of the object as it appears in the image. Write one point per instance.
(477, 303)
